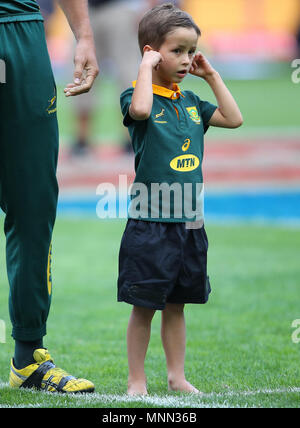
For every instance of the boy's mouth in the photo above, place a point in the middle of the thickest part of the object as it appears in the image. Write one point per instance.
(182, 73)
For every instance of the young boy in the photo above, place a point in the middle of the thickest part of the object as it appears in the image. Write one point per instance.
(163, 254)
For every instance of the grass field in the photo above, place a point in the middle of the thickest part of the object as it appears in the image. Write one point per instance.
(240, 351)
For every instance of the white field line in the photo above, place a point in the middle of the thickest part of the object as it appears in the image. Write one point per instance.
(186, 400)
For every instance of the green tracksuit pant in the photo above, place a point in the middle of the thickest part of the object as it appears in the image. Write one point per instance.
(28, 185)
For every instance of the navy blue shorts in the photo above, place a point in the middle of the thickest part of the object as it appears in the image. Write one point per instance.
(162, 263)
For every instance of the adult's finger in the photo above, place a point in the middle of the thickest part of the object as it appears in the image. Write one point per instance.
(78, 70)
(84, 87)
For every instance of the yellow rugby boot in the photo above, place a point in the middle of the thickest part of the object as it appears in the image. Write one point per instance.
(44, 375)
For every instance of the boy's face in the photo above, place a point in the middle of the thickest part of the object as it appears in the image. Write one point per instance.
(177, 51)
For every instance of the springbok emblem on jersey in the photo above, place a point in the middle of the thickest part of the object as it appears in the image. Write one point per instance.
(51, 107)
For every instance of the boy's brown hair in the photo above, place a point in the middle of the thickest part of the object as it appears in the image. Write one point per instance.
(161, 20)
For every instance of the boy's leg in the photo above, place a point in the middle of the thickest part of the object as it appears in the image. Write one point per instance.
(138, 336)
(174, 338)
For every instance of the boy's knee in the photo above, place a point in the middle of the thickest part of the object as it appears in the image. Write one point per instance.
(174, 308)
(144, 314)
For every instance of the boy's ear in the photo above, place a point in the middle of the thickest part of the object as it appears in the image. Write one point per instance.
(147, 48)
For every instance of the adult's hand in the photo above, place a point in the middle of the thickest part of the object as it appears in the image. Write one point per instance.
(86, 67)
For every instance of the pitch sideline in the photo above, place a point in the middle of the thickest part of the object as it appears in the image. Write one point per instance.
(167, 401)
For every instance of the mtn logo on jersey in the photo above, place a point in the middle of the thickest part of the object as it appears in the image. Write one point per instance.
(185, 163)
(194, 115)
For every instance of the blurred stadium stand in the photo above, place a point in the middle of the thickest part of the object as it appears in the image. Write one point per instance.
(248, 34)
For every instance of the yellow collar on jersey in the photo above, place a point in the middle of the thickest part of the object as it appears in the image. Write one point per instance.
(165, 92)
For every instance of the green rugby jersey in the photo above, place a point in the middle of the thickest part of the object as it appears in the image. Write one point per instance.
(19, 10)
(168, 149)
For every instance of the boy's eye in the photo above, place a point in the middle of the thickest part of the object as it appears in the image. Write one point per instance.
(178, 51)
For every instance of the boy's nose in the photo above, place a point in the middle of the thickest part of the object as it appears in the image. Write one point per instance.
(185, 60)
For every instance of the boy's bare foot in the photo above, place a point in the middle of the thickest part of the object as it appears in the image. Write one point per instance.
(137, 388)
(182, 386)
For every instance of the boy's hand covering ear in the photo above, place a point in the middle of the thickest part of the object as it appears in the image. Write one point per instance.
(200, 66)
(152, 58)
